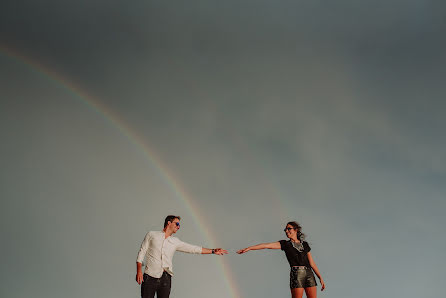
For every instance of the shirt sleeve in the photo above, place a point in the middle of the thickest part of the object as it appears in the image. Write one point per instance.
(189, 248)
(143, 250)
(282, 244)
(306, 246)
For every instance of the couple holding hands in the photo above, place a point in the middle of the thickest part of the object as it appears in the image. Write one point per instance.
(158, 248)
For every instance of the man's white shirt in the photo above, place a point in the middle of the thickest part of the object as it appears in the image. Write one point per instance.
(159, 252)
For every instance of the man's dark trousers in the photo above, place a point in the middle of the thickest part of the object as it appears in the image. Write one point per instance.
(160, 286)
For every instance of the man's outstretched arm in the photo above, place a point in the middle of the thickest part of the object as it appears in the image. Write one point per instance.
(189, 248)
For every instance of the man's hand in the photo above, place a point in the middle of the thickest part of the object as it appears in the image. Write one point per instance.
(220, 251)
(139, 277)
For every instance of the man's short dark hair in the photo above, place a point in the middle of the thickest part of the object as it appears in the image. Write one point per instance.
(170, 218)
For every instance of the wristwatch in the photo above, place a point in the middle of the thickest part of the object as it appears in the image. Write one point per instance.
(213, 251)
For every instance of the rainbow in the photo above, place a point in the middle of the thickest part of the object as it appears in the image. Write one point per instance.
(138, 141)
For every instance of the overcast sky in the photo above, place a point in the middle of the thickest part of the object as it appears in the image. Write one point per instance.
(237, 115)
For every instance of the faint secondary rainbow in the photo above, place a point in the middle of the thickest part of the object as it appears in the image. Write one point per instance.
(137, 140)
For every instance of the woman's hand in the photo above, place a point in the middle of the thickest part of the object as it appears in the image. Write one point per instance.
(242, 251)
(322, 284)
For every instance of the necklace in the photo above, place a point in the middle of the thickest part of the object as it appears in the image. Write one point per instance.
(299, 246)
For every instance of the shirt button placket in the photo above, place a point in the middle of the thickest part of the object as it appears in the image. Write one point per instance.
(163, 256)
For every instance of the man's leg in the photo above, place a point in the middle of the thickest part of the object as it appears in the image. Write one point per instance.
(164, 287)
(148, 287)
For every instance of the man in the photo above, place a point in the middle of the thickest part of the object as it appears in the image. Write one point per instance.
(159, 247)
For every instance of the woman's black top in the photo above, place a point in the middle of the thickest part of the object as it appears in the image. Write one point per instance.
(293, 255)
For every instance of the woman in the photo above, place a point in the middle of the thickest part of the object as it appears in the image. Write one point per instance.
(298, 254)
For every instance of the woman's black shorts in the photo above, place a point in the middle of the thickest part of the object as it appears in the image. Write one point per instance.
(302, 277)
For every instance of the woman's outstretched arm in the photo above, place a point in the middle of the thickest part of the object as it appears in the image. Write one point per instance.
(271, 245)
(316, 270)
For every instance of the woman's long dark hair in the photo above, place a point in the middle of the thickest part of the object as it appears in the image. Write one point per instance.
(298, 228)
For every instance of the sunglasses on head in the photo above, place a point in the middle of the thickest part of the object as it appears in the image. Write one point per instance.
(288, 229)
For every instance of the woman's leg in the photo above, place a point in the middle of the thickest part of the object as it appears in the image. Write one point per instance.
(311, 292)
(297, 292)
